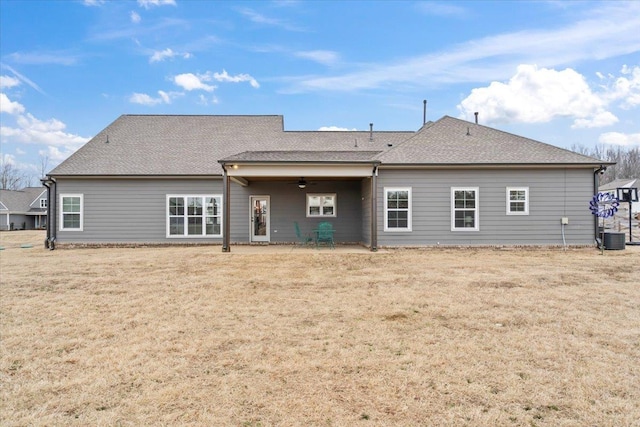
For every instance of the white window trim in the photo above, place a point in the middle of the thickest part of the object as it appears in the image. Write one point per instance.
(186, 216)
(322, 195)
(408, 228)
(526, 200)
(43, 203)
(61, 215)
(476, 209)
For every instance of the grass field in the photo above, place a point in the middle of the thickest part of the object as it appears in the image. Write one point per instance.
(436, 337)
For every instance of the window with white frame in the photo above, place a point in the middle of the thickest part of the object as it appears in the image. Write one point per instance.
(43, 203)
(194, 216)
(517, 201)
(71, 212)
(464, 209)
(321, 205)
(397, 209)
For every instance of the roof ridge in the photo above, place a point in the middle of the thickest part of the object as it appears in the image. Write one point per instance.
(201, 115)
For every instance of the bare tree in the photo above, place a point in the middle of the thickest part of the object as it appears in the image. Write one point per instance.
(44, 165)
(627, 161)
(10, 177)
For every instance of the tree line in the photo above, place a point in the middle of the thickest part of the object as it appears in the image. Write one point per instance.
(627, 160)
(13, 178)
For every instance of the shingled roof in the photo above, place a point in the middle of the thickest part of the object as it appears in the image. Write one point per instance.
(21, 201)
(451, 141)
(148, 145)
(184, 145)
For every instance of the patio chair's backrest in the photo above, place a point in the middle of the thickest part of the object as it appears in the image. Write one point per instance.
(298, 233)
(325, 231)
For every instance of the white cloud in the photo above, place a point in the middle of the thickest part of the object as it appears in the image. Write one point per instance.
(617, 138)
(44, 58)
(93, 2)
(24, 79)
(57, 154)
(161, 55)
(203, 100)
(225, 77)
(538, 95)
(258, 18)
(625, 88)
(163, 98)
(147, 4)
(8, 106)
(50, 132)
(335, 129)
(600, 119)
(190, 81)
(144, 99)
(325, 57)
(8, 81)
(8, 159)
(135, 17)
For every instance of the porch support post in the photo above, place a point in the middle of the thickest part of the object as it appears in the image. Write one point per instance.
(374, 209)
(226, 210)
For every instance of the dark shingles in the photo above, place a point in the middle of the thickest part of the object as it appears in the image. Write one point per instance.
(148, 145)
(193, 145)
(451, 141)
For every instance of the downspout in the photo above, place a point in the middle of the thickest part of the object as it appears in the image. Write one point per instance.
(45, 182)
(226, 201)
(374, 209)
(50, 241)
(596, 185)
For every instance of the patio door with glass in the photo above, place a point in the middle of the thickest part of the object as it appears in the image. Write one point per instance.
(260, 218)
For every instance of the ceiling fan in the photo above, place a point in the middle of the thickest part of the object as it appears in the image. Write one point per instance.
(302, 183)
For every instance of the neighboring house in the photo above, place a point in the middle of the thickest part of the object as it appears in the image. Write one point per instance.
(244, 179)
(612, 187)
(620, 221)
(24, 209)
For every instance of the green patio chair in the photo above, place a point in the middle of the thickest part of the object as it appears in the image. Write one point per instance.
(302, 240)
(324, 235)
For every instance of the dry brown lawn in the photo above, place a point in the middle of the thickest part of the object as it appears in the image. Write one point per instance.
(436, 337)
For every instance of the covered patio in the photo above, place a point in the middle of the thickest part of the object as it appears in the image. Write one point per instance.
(280, 188)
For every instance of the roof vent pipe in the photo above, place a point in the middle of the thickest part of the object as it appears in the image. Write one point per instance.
(370, 131)
(476, 114)
(424, 112)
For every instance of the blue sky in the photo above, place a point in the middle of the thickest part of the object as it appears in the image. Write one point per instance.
(563, 72)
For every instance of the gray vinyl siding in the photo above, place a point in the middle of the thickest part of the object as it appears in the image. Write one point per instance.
(135, 210)
(128, 210)
(19, 221)
(553, 194)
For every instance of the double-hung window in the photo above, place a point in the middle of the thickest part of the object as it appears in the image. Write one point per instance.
(517, 201)
(321, 205)
(464, 209)
(397, 209)
(71, 212)
(194, 216)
